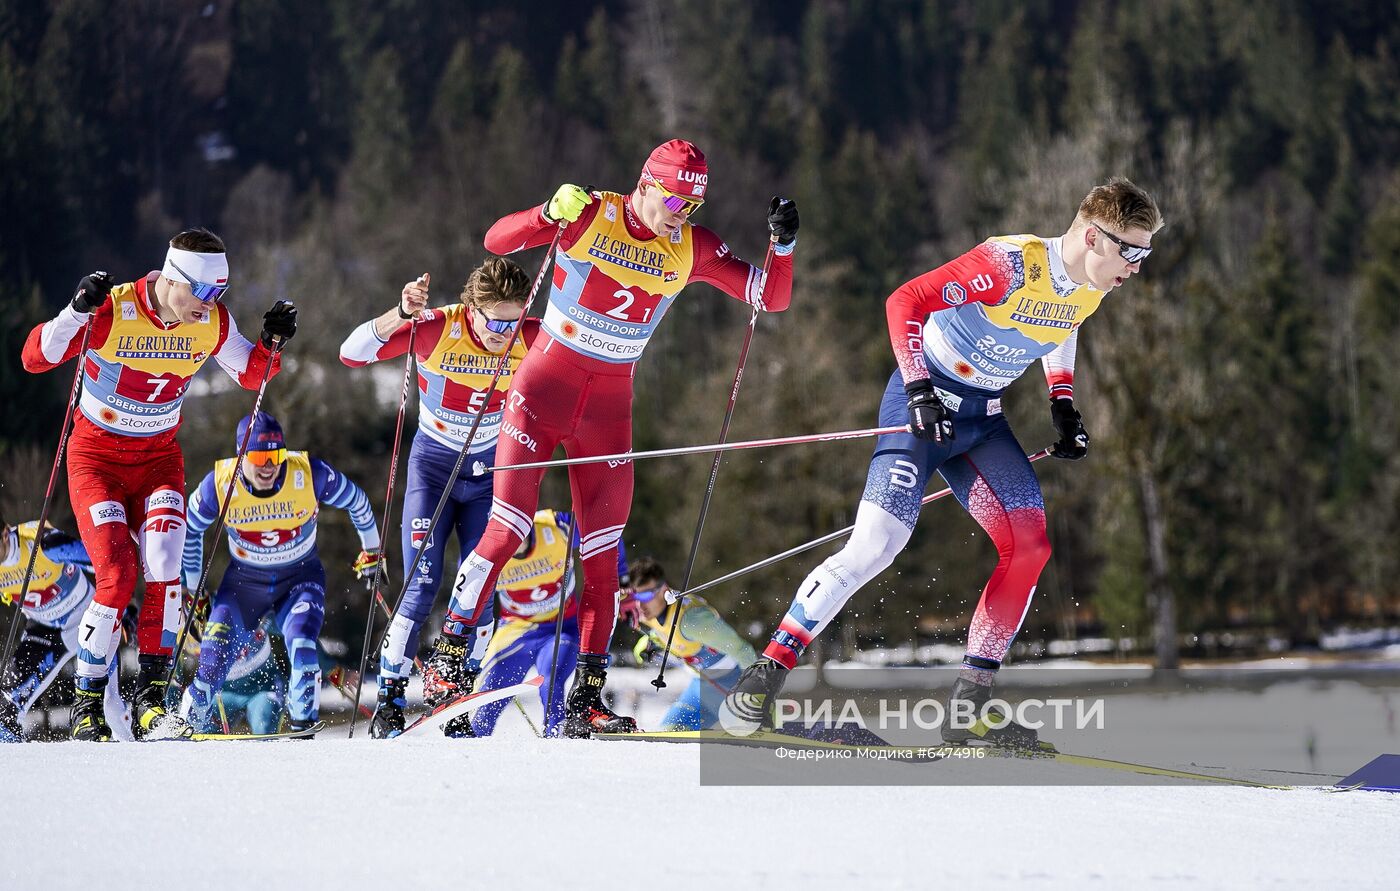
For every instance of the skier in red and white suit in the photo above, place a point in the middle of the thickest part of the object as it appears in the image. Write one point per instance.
(622, 260)
(126, 474)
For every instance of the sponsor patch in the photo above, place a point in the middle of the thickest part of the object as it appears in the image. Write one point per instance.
(954, 294)
(128, 311)
(107, 512)
(166, 498)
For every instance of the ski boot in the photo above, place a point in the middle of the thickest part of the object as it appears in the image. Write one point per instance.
(446, 677)
(585, 712)
(197, 707)
(387, 722)
(749, 706)
(444, 674)
(460, 727)
(1008, 734)
(150, 719)
(87, 722)
(299, 726)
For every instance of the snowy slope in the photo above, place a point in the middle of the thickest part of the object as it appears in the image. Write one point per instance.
(518, 812)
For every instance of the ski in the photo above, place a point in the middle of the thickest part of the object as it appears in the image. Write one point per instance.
(306, 733)
(1049, 752)
(451, 709)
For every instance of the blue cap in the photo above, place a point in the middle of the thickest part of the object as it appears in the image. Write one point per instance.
(267, 433)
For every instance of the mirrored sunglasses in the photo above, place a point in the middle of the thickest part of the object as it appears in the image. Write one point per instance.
(1133, 253)
(498, 326)
(202, 291)
(264, 457)
(674, 203)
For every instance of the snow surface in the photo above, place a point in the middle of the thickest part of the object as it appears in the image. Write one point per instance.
(514, 811)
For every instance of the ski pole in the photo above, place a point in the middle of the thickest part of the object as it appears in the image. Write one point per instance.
(713, 447)
(660, 680)
(198, 596)
(818, 542)
(565, 587)
(75, 394)
(380, 571)
(476, 422)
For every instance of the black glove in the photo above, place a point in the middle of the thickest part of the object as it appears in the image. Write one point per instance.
(92, 292)
(782, 219)
(1074, 439)
(279, 322)
(929, 418)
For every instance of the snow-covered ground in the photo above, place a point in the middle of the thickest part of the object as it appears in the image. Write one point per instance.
(514, 811)
(519, 812)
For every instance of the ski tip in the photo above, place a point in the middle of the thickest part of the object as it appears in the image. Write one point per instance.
(1380, 774)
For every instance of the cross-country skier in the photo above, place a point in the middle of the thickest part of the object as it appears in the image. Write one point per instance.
(706, 643)
(457, 349)
(529, 591)
(274, 568)
(961, 334)
(622, 260)
(59, 590)
(126, 474)
(255, 688)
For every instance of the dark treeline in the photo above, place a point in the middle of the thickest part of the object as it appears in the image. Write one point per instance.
(1241, 393)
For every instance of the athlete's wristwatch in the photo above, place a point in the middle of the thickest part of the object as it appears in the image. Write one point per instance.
(403, 315)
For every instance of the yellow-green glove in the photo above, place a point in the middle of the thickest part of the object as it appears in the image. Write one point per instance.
(567, 204)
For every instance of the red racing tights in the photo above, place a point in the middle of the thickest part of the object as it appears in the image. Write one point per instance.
(559, 397)
(128, 493)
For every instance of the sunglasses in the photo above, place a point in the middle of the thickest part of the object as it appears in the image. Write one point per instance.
(674, 203)
(264, 457)
(202, 292)
(498, 326)
(642, 595)
(1133, 253)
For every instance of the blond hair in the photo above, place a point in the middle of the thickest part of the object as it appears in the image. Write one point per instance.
(1121, 205)
(496, 280)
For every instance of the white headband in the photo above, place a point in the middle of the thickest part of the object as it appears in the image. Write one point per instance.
(207, 269)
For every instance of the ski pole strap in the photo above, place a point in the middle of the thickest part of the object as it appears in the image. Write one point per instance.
(972, 661)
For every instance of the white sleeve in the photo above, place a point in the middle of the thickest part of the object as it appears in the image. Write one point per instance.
(363, 345)
(233, 355)
(59, 332)
(1059, 367)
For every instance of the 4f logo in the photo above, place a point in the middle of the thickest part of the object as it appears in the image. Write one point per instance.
(904, 474)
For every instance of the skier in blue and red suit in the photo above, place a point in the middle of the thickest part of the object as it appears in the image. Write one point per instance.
(457, 349)
(961, 334)
(622, 260)
(271, 521)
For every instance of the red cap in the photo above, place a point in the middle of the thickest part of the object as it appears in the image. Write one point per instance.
(680, 168)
